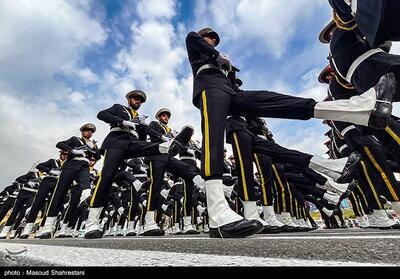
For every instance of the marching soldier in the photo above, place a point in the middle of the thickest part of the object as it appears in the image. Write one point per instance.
(76, 167)
(216, 95)
(51, 170)
(126, 140)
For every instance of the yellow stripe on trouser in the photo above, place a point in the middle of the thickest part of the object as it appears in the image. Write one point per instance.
(207, 157)
(98, 181)
(278, 206)
(290, 197)
(130, 206)
(184, 198)
(383, 174)
(176, 211)
(52, 196)
(150, 187)
(245, 194)
(363, 195)
(356, 203)
(282, 188)
(263, 191)
(370, 184)
(393, 134)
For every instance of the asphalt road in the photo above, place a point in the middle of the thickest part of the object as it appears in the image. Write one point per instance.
(362, 246)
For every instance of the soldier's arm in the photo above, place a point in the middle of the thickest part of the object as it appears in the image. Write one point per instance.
(194, 40)
(110, 116)
(66, 145)
(45, 166)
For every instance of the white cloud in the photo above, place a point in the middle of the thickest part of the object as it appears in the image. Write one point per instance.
(266, 27)
(38, 41)
(156, 9)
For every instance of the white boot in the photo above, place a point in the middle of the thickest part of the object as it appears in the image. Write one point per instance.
(176, 230)
(188, 227)
(27, 230)
(219, 212)
(5, 231)
(381, 219)
(362, 221)
(286, 219)
(150, 226)
(331, 197)
(338, 186)
(250, 211)
(62, 231)
(48, 227)
(131, 229)
(92, 227)
(12, 234)
(327, 211)
(206, 228)
(396, 207)
(270, 217)
(38, 232)
(329, 167)
(355, 110)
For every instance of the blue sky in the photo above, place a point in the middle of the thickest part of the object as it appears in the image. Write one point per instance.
(63, 61)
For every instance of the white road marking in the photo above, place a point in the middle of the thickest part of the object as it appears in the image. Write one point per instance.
(79, 256)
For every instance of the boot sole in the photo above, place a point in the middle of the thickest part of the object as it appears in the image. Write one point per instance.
(215, 233)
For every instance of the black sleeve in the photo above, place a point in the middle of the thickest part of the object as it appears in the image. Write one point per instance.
(25, 178)
(110, 115)
(45, 166)
(66, 145)
(154, 130)
(194, 40)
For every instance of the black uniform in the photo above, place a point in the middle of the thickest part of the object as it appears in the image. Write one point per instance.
(162, 163)
(9, 195)
(46, 186)
(30, 183)
(346, 47)
(121, 143)
(217, 96)
(378, 20)
(75, 168)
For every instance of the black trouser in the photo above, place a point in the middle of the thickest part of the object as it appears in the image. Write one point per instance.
(45, 188)
(215, 105)
(8, 204)
(367, 185)
(283, 201)
(80, 174)
(157, 170)
(23, 201)
(309, 190)
(356, 205)
(112, 160)
(188, 187)
(72, 211)
(264, 169)
(245, 143)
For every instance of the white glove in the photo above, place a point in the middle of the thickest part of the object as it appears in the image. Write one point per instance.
(165, 138)
(228, 191)
(129, 124)
(112, 212)
(174, 133)
(137, 184)
(141, 118)
(164, 193)
(120, 210)
(190, 151)
(200, 209)
(55, 172)
(144, 203)
(31, 183)
(224, 60)
(78, 152)
(181, 200)
(84, 195)
(143, 169)
(164, 207)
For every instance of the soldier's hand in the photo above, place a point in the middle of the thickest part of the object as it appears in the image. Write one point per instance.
(141, 118)
(78, 152)
(55, 172)
(223, 61)
(165, 138)
(129, 124)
